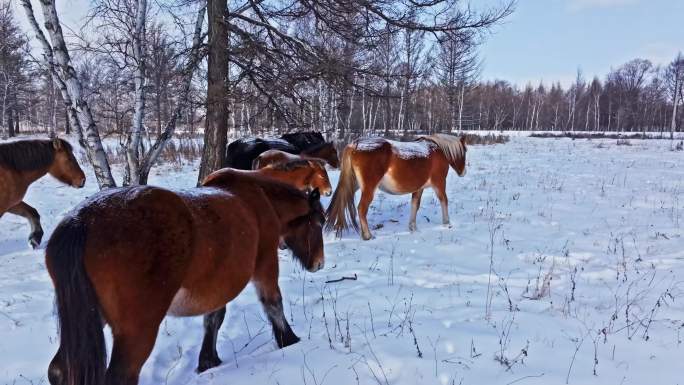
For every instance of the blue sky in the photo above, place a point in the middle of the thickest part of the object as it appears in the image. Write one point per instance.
(550, 39)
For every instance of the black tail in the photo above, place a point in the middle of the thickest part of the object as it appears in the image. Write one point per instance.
(82, 351)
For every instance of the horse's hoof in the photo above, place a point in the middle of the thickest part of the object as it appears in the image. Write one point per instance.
(366, 237)
(208, 363)
(35, 239)
(413, 228)
(288, 340)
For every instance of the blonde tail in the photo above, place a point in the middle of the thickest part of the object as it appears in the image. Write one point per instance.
(341, 213)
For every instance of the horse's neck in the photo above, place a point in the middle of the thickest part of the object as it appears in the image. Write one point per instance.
(293, 177)
(311, 154)
(28, 177)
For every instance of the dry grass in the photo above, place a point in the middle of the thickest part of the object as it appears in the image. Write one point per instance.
(595, 135)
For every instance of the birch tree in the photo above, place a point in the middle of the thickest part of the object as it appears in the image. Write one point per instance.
(58, 59)
(674, 76)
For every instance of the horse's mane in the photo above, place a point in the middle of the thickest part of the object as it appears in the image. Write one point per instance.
(28, 155)
(296, 164)
(452, 146)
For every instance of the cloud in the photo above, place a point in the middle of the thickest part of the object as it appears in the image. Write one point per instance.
(660, 53)
(579, 5)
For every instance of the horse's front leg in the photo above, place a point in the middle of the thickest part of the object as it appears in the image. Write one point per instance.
(272, 301)
(31, 214)
(415, 204)
(440, 191)
(208, 356)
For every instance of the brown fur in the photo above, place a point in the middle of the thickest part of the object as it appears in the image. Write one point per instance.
(374, 163)
(150, 252)
(325, 151)
(301, 171)
(25, 161)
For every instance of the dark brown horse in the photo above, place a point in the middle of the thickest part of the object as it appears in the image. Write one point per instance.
(128, 257)
(25, 161)
(395, 168)
(241, 153)
(303, 172)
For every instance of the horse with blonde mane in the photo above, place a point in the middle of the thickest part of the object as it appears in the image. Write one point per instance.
(396, 168)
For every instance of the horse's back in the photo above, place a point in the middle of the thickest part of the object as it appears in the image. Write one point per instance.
(398, 167)
(241, 153)
(273, 157)
(303, 140)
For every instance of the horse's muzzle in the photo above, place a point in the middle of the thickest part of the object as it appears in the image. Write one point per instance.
(80, 184)
(317, 266)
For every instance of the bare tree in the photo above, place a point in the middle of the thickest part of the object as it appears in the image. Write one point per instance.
(265, 52)
(57, 57)
(674, 76)
(216, 129)
(14, 67)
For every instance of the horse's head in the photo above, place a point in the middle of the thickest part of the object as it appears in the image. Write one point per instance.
(65, 167)
(318, 178)
(459, 164)
(330, 155)
(304, 235)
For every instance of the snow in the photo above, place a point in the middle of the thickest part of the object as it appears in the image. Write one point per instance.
(587, 266)
(369, 144)
(404, 150)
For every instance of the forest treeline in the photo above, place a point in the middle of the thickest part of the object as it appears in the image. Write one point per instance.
(410, 83)
(142, 70)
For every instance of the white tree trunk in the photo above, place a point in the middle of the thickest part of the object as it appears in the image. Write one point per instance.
(460, 108)
(133, 139)
(58, 55)
(675, 104)
(190, 68)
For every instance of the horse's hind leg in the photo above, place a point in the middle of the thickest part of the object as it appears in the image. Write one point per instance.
(272, 301)
(28, 212)
(132, 346)
(367, 195)
(415, 204)
(208, 357)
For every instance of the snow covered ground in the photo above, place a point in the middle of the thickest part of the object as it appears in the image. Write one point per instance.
(583, 240)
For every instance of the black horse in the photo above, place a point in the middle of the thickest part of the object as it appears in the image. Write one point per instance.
(241, 153)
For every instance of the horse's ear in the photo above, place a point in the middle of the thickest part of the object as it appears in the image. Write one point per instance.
(314, 196)
(57, 143)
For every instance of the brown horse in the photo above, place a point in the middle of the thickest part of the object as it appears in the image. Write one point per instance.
(396, 168)
(303, 172)
(25, 161)
(128, 257)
